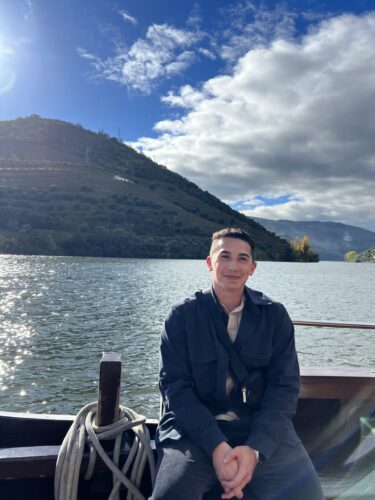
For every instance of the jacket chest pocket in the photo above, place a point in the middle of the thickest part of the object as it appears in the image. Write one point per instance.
(204, 368)
(256, 354)
(252, 362)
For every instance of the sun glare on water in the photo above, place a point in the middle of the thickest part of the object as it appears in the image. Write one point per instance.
(14, 338)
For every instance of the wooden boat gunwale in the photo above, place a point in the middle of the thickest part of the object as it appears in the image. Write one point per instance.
(331, 388)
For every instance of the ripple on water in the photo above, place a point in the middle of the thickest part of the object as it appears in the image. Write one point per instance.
(58, 315)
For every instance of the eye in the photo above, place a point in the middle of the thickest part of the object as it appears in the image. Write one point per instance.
(224, 256)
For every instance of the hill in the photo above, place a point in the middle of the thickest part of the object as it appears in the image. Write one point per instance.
(367, 256)
(331, 240)
(67, 191)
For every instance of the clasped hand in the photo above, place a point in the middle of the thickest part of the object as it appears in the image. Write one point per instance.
(234, 468)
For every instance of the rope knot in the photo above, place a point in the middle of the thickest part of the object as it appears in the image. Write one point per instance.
(85, 431)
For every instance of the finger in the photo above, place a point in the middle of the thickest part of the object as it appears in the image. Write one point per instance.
(237, 482)
(234, 492)
(227, 494)
(227, 488)
(231, 492)
(245, 471)
(237, 493)
(230, 456)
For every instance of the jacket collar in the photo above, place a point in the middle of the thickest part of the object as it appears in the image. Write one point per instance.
(257, 298)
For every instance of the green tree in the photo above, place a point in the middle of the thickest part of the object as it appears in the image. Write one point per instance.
(302, 250)
(351, 256)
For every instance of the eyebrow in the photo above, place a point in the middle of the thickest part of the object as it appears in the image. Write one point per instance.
(227, 252)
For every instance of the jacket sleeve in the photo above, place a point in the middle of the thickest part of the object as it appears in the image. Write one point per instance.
(177, 389)
(272, 424)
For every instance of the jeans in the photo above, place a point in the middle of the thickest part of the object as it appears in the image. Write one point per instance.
(185, 472)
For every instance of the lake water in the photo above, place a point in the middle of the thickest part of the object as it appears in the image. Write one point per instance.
(59, 314)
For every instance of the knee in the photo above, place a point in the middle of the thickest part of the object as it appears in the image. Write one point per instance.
(171, 492)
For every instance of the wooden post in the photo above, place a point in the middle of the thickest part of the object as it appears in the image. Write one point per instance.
(109, 389)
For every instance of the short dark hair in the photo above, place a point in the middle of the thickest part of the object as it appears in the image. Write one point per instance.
(233, 232)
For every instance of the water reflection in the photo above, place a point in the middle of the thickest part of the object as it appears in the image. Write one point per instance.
(58, 315)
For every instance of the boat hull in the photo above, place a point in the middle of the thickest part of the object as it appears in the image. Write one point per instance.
(335, 418)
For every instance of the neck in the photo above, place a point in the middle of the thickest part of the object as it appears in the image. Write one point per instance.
(229, 299)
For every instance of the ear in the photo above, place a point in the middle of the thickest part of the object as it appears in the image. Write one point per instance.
(253, 267)
(209, 263)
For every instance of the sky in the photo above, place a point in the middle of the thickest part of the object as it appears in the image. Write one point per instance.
(268, 105)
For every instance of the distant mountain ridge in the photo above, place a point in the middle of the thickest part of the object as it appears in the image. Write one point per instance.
(65, 190)
(331, 240)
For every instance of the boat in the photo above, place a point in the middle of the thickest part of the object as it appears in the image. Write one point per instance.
(335, 420)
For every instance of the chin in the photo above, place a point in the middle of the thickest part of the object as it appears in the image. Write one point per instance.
(233, 286)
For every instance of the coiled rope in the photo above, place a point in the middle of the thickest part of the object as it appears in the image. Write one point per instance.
(85, 430)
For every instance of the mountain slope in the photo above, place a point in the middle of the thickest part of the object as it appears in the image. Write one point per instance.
(331, 240)
(68, 191)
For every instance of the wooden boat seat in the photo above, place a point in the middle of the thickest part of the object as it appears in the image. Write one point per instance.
(28, 462)
(337, 383)
(40, 461)
(325, 393)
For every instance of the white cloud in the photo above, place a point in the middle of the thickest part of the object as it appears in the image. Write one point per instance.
(292, 117)
(207, 53)
(127, 17)
(162, 53)
(255, 26)
(188, 97)
(182, 62)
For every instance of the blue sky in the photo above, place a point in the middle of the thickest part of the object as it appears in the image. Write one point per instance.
(268, 105)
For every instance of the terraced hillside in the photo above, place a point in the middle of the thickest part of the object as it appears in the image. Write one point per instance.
(67, 191)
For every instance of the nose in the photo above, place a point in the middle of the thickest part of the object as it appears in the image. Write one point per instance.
(232, 264)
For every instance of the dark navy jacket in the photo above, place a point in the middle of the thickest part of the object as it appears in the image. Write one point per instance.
(194, 367)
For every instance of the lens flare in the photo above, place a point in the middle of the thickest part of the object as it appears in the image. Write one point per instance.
(7, 79)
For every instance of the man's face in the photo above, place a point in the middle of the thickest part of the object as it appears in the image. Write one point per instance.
(231, 265)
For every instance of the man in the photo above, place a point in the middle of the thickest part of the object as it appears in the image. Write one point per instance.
(212, 442)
